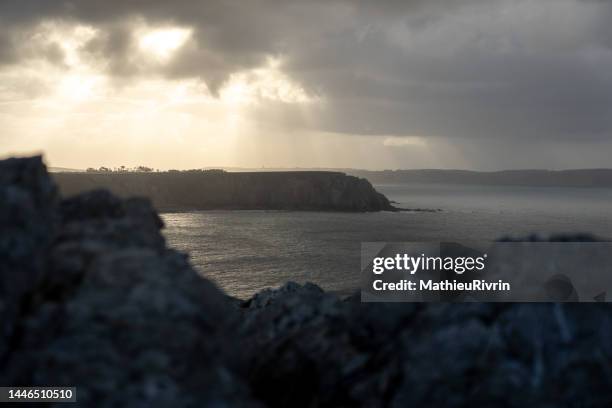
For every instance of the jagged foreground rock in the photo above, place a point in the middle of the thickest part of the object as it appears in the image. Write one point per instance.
(309, 348)
(90, 296)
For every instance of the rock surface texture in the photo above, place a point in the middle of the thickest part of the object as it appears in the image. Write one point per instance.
(91, 297)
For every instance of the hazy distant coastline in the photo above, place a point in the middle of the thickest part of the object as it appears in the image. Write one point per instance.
(536, 178)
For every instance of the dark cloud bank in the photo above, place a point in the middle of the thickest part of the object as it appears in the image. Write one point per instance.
(498, 74)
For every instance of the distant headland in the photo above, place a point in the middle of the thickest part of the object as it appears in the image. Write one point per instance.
(217, 189)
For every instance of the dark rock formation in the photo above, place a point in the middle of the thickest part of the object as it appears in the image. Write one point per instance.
(308, 190)
(309, 348)
(91, 297)
(27, 221)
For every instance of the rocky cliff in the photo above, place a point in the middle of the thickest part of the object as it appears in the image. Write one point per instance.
(91, 297)
(309, 190)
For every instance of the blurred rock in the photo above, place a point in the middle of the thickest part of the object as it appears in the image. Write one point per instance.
(309, 348)
(91, 297)
(28, 201)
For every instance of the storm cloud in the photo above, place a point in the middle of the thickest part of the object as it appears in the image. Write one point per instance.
(474, 73)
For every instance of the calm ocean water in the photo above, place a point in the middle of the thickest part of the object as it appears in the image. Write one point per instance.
(246, 251)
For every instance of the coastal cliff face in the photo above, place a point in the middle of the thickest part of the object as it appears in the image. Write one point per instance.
(220, 190)
(90, 296)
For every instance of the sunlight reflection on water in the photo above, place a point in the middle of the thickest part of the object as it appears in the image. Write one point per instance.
(246, 251)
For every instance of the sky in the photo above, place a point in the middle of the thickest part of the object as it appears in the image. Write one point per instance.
(471, 84)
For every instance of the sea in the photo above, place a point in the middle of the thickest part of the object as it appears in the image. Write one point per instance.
(244, 252)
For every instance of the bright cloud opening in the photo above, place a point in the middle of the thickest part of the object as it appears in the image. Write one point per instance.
(162, 43)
